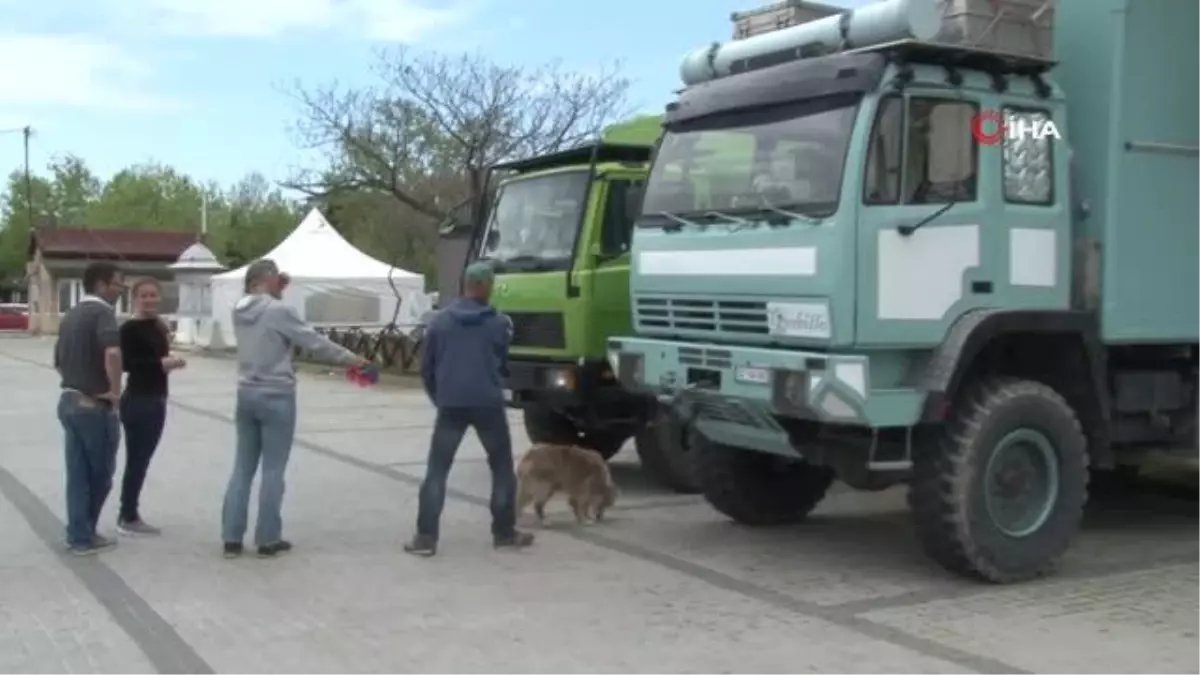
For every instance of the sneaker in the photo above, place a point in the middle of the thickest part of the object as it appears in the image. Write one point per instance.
(272, 550)
(137, 528)
(233, 549)
(97, 545)
(517, 539)
(82, 549)
(422, 546)
(101, 543)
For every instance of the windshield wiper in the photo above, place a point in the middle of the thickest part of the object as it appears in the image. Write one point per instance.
(676, 224)
(733, 219)
(803, 217)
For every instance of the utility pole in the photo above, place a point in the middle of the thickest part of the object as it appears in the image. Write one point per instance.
(26, 133)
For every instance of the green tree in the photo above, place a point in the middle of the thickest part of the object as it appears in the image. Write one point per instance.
(15, 213)
(147, 197)
(244, 221)
(73, 190)
(250, 219)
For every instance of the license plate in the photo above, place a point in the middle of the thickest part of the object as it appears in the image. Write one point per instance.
(752, 375)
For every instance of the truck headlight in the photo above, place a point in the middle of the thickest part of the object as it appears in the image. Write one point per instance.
(561, 378)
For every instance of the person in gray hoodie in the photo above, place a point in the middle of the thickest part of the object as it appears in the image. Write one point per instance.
(463, 360)
(267, 330)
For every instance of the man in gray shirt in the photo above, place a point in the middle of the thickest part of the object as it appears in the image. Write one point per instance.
(267, 329)
(87, 355)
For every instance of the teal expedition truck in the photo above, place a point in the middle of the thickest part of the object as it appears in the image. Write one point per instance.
(880, 288)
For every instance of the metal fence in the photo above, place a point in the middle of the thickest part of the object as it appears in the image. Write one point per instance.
(392, 349)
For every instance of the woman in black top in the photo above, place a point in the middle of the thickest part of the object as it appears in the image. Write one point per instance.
(146, 353)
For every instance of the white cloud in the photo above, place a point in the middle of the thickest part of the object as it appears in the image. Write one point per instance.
(73, 71)
(391, 20)
(106, 65)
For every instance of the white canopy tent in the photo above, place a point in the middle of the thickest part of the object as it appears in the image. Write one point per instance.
(332, 283)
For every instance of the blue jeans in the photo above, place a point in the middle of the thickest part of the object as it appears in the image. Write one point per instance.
(266, 425)
(491, 425)
(92, 435)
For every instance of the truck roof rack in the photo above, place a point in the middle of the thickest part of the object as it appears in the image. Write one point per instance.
(953, 57)
(604, 152)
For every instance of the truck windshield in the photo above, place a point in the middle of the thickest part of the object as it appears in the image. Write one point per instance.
(533, 221)
(754, 161)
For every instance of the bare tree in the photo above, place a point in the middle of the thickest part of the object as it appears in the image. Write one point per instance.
(428, 132)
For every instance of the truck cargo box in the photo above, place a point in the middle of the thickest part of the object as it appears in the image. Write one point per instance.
(1129, 71)
(1019, 27)
(777, 16)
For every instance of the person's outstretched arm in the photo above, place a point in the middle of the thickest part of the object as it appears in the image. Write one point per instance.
(285, 320)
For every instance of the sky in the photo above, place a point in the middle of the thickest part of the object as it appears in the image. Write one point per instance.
(200, 84)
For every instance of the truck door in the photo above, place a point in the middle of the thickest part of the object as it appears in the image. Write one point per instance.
(923, 235)
(610, 313)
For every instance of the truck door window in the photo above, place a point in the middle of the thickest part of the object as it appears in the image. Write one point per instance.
(1028, 161)
(882, 183)
(620, 210)
(942, 157)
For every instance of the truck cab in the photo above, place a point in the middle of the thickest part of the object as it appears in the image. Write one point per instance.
(558, 234)
(869, 253)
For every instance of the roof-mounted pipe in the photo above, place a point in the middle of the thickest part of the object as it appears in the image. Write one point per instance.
(874, 24)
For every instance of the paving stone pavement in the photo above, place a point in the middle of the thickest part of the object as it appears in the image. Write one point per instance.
(667, 585)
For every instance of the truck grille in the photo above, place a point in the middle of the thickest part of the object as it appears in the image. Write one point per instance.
(698, 315)
(538, 329)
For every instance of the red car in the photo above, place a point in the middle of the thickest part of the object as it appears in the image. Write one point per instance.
(14, 316)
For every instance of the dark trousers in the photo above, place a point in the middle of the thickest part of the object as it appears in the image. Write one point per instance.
(91, 434)
(491, 425)
(143, 418)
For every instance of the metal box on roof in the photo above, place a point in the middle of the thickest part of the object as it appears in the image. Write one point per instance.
(1017, 27)
(778, 16)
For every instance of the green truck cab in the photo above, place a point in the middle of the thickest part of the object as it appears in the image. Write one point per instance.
(879, 284)
(558, 233)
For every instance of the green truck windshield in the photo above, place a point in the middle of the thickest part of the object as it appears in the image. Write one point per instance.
(534, 221)
(759, 160)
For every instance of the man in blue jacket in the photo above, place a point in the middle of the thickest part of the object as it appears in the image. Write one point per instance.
(463, 359)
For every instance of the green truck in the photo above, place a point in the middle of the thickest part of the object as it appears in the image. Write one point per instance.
(933, 250)
(558, 232)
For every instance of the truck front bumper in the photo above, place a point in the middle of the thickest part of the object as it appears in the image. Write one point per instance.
(563, 384)
(750, 388)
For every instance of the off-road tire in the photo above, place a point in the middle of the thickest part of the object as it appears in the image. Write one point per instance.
(947, 490)
(543, 425)
(756, 488)
(667, 458)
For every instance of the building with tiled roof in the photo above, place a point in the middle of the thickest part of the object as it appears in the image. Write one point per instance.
(57, 257)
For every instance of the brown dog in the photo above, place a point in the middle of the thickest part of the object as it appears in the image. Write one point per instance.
(582, 474)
